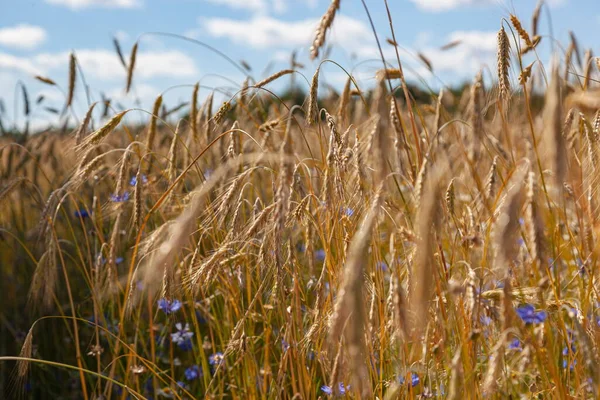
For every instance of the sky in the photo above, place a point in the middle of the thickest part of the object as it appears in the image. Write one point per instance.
(37, 36)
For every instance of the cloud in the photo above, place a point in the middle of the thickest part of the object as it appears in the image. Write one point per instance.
(104, 64)
(254, 5)
(279, 6)
(10, 62)
(22, 36)
(268, 32)
(446, 5)
(476, 48)
(81, 4)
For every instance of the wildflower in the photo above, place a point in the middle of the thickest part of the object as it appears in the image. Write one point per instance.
(115, 198)
(169, 306)
(216, 359)
(327, 390)
(485, 320)
(414, 380)
(343, 389)
(137, 369)
(183, 336)
(382, 266)
(571, 366)
(95, 350)
(348, 211)
(119, 260)
(81, 214)
(530, 316)
(515, 344)
(284, 345)
(182, 385)
(320, 255)
(133, 180)
(166, 392)
(192, 373)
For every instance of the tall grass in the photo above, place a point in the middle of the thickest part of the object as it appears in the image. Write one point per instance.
(268, 249)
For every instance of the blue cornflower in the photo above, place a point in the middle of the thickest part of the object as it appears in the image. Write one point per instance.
(414, 380)
(571, 366)
(82, 213)
(530, 316)
(485, 320)
(116, 198)
(348, 211)
(169, 306)
(382, 266)
(182, 385)
(119, 260)
(284, 345)
(193, 372)
(216, 359)
(343, 389)
(183, 336)
(515, 344)
(320, 255)
(133, 180)
(327, 390)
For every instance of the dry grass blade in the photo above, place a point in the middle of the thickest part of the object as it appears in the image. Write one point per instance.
(95, 138)
(45, 80)
(503, 64)
(194, 112)
(350, 301)
(131, 67)
(553, 126)
(26, 352)
(313, 107)
(72, 78)
(423, 274)
(153, 123)
(119, 52)
(324, 25)
(82, 129)
(520, 30)
(274, 77)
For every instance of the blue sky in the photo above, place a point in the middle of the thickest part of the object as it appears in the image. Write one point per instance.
(36, 37)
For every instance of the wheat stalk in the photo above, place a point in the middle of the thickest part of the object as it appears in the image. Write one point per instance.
(324, 25)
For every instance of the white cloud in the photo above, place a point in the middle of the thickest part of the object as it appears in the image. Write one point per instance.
(22, 36)
(445, 5)
(254, 5)
(80, 4)
(475, 48)
(262, 6)
(268, 32)
(21, 64)
(104, 64)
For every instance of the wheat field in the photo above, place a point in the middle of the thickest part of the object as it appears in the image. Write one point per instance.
(361, 243)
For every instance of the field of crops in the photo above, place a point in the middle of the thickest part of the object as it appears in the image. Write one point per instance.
(360, 243)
